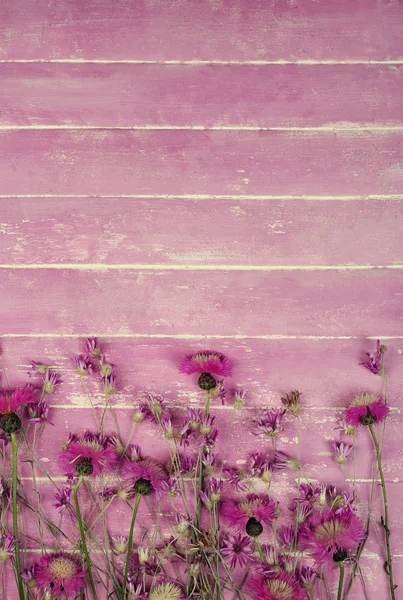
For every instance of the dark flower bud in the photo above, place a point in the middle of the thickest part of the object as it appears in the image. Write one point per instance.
(207, 382)
(254, 528)
(143, 487)
(369, 418)
(11, 423)
(340, 555)
(84, 466)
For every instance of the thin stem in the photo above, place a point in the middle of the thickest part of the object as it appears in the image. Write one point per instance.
(385, 519)
(259, 549)
(207, 406)
(82, 533)
(130, 545)
(341, 577)
(15, 515)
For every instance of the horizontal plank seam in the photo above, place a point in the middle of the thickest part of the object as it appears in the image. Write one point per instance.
(219, 407)
(176, 267)
(359, 127)
(195, 62)
(197, 336)
(207, 197)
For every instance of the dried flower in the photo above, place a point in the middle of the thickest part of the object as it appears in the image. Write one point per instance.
(366, 409)
(39, 413)
(7, 547)
(269, 423)
(282, 461)
(50, 381)
(119, 544)
(345, 428)
(165, 591)
(154, 407)
(237, 549)
(91, 347)
(88, 455)
(307, 577)
(239, 399)
(341, 452)
(83, 364)
(375, 360)
(62, 499)
(292, 402)
(330, 537)
(61, 574)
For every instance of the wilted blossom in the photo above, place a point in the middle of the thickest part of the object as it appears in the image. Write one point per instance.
(308, 493)
(212, 493)
(237, 478)
(303, 511)
(219, 391)
(109, 382)
(269, 423)
(329, 537)
(375, 359)
(292, 402)
(281, 586)
(307, 577)
(154, 407)
(119, 544)
(91, 347)
(61, 574)
(237, 549)
(51, 381)
(287, 536)
(63, 499)
(366, 409)
(105, 367)
(28, 576)
(83, 364)
(239, 399)
(88, 455)
(341, 452)
(39, 413)
(170, 487)
(37, 368)
(345, 428)
(340, 501)
(259, 466)
(283, 461)
(7, 547)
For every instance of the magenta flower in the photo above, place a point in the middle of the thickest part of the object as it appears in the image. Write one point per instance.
(208, 364)
(62, 499)
(59, 574)
(307, 493)
(374, 362)
(341, 452)
(249, 512)
(330, 537)
(282, 586)
(269, 422)
(307, 577)
(237, 548)
(11, 402)
(154, 407)
(366, 409)
(50, 381)
(282, 461)
(91, 346)
(39, 413)
(88, 455)
(145, 476)
(83, 364)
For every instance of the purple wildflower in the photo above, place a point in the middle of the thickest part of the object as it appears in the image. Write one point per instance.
(187, 464)
(51, 381)
(303, 510)
(39, 413)
(212, 493)
(341, 452)
(83, 364)
(307, 577)
(239, 399)
(236, 477)
(7, 547)
(109, 382)
(91, 347)
(374, 362)
(238, 549)
(292, 402)
(282, 461)
(308, 493)
(269, 422)
(260, 466)
(170, 487)
(287, 536)
(62, 499)
(105, 368)
(154, 407)
(37, 368)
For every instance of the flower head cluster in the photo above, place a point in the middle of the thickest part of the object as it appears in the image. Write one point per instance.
(89, 454)
(94, 360)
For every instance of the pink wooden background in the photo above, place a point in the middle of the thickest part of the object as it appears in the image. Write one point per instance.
(184, 174)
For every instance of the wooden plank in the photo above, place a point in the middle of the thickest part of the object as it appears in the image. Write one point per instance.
(239, 30)
(223, 303)
(326, 372)
(238, 232)
(210, 96)
(199, 162)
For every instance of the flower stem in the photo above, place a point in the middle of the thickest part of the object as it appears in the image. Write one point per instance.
(385, 519)
(83, 541)
(130, 545)
(341, 577)
(15, 515)
(259, 549)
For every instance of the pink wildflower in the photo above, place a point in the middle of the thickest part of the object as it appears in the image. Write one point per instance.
(269, 423)
(91, 346)
(330, 537)
(206, 363)
(366, 409)
(146, 476)
(88, 455)
(7, 547)
(83, 364)
(341, 452)
(59, 574)
(245, 513)
(282, 586)
(11, 402)
(374, 362)
(238, 549)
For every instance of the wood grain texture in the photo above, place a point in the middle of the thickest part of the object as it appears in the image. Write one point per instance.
(266, 369)
(235, 30)
(236, 232)
(208, 96)
(199, 162)
(225, 303)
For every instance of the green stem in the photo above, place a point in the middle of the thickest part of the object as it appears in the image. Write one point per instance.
(340, 588)
(386, 517)
(259, 549)
(15, 515)
(129, 546)
(207, 406)
(83, 541)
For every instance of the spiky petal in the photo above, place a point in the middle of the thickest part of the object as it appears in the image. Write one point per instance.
(206, 361)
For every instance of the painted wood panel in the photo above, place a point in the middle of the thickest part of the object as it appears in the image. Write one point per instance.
(199, 162)
(235, 30)
(238, 232)
(224, 303)
(127, 95)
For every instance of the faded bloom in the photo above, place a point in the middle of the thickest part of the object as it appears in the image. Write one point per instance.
(50, 381)
(119, 544)
(207, 363)
(345, 428)
(237, 549)
(341, 452)
(239, 399)
(292, 402)
(91, 347)
(283, 461)
(249, 513)
(366, 409)
(145, 476)
(7, 547)
(61, 574)
(83, 364)
(109, 382)
(88, 455)
(282, 586)
(154, 407)
(307, 577)
(165, 591)
(374, 362)
(39, 413)
(269, 423)
(330, 537)
(308, 493)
